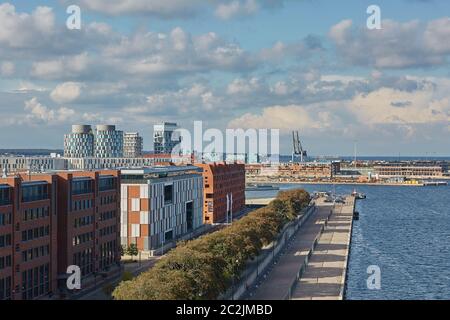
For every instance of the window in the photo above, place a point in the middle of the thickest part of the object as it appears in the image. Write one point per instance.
(168, 194)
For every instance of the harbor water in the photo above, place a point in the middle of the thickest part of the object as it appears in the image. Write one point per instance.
(405, 231)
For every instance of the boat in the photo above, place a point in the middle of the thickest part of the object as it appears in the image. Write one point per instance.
(261, 187)
(356, 215)
(434, 183)
(358, 195)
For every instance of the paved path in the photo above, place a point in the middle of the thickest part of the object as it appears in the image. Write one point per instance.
(324, 278)
(280, 279)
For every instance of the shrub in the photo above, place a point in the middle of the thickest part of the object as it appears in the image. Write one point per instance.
(204, 268)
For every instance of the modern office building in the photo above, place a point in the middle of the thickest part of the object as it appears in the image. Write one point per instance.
(132, 145)
(79, 143)
(223, 191)
(159, 205)
(108, 142)
(51, 221)
(35, 164)
(165, 138)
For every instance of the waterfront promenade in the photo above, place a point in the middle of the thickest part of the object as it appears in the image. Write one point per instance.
(324, 231)
(325, 274)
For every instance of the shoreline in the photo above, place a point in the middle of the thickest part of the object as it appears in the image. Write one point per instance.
(339, 183)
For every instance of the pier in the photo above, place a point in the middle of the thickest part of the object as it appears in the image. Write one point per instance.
(314, 265)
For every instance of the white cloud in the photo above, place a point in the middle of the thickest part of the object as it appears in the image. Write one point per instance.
(397, 45)
(21, 30)
(236, 8)
(7, 68)
(37, 112)
(67, 66)
(66, 92)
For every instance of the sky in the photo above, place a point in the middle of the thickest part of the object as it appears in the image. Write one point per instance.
(307, 65)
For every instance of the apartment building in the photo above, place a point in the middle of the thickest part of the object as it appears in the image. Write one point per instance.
(165, 137)
(28, 237)
(80, 142)
(22, 164)
(160, 204)
(224, 191)
(51, 221)
(132, 145)
(88, 225)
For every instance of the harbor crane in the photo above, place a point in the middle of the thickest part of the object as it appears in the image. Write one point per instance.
(297, 147)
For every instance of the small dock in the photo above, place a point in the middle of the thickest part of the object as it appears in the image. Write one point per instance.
(325, 274)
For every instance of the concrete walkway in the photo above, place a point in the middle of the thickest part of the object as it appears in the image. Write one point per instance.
(324, 278)
(277, 283)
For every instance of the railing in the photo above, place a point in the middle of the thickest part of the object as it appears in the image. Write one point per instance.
(261, 264)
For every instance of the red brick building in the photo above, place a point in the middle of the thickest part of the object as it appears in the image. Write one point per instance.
(37, 219)
(220, 180)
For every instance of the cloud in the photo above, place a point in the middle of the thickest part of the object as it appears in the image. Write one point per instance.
(7, 68)
(286, 118)
(66, 92)
(38, 113)
(175, 9)
(236, 8)
(62, 67)
(397, 45)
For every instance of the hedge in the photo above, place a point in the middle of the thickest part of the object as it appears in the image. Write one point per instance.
(204, 268)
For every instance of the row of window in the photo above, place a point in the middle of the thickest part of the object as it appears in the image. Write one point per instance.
(83, 204)
(82, 187)
(84, 260)
(34, 253)
(35, 233)
(5, 262)
(82, 238)
(5, 219)
(5, 240)
(5, 288)
(108, 215)
(35, 282)
(83, 221)
(107, 200)
(35, 213)
(108, 230)
(108, 253)
(35, 192)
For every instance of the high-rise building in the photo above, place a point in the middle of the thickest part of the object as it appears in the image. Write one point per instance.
(224, 191)
(159, 205)
(108, 142)
(165, 138)
(79, 143)
(51, 221)
(132, 145)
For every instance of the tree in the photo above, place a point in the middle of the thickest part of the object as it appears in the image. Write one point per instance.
(205, 268)
(132, 250)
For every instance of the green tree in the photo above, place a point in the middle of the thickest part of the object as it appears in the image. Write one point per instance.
(132, 250)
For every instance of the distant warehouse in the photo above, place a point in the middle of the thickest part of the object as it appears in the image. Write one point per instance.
(408, 170)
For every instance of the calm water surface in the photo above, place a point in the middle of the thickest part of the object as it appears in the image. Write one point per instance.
(403, 230)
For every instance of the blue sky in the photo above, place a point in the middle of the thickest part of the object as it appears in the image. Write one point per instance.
(301, 65)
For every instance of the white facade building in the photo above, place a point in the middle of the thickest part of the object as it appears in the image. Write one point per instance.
(132, 145)
(160, 205)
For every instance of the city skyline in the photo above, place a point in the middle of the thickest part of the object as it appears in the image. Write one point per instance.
(292, 65)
